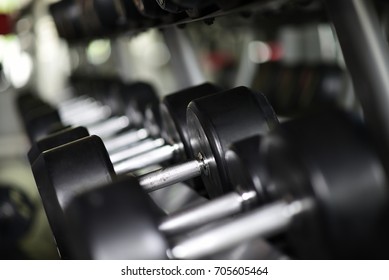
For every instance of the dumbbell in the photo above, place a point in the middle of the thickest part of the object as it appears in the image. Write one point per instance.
(327, 195)
(249, 181)
(74, 160)
(213, 123)
(39, 117)
(133, 100)
(225, 117)
(172, 125)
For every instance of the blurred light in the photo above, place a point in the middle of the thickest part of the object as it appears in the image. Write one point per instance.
(20, 69)
(98, 52)
(150, 50)
(327, 43)
(17, 64)
(259, 52)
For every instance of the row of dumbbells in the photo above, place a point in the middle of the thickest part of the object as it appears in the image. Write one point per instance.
(82, 19)
(316, 183)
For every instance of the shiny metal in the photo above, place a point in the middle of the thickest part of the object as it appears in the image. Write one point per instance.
(153, 157)
(366, 53)
(168, 176)
(125, 139)
(109, 127)
(89, 117)
(75, 101)
(137, 149)
(202, 214)
(82, 107)
(265, 221)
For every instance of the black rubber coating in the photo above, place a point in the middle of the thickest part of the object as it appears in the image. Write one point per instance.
(40, 122)
(63, 172)
(56, 139)
(217, 121)
(118, 221)
(173, 111)
(329, 158)
(136, 97)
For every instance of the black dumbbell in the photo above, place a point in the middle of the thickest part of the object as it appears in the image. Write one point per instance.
(134, 100)
(67, 158)
(225, 116)
(326, 190)
(214, 122)
(172, 125)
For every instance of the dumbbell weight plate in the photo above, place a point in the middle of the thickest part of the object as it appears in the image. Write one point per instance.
(63, 172)
(54, 140)
(117, 221)
(213, 128)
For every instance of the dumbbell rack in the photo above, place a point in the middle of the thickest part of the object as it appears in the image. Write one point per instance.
(364, 48)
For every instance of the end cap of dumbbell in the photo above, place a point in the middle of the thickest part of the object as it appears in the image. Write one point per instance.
(59, 138)
(136, 97)
(40, 122)
(65, 171)
(117, 221)
(173, 111)
(330, 157)
(219, 120)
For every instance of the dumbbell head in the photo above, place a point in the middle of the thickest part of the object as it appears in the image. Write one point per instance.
(134, 98)
(65, 171)
(331, 194)
(217, 121)
(38, 117)
(170, 121)
(59, 138)
(117, 221)
(247, 171)
(173, 113)
(330, 158)
(41, 121)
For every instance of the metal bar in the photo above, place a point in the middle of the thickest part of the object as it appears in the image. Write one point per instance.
(137, 149)
(168, 176)
(265, 221)
(202, 214)
(89, 117)
(109, 127)
(366, 54)
(125, 139)
(146, 159)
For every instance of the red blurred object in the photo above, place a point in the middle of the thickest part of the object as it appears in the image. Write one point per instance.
(276, 51)
(218, 60)
(6, 26)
